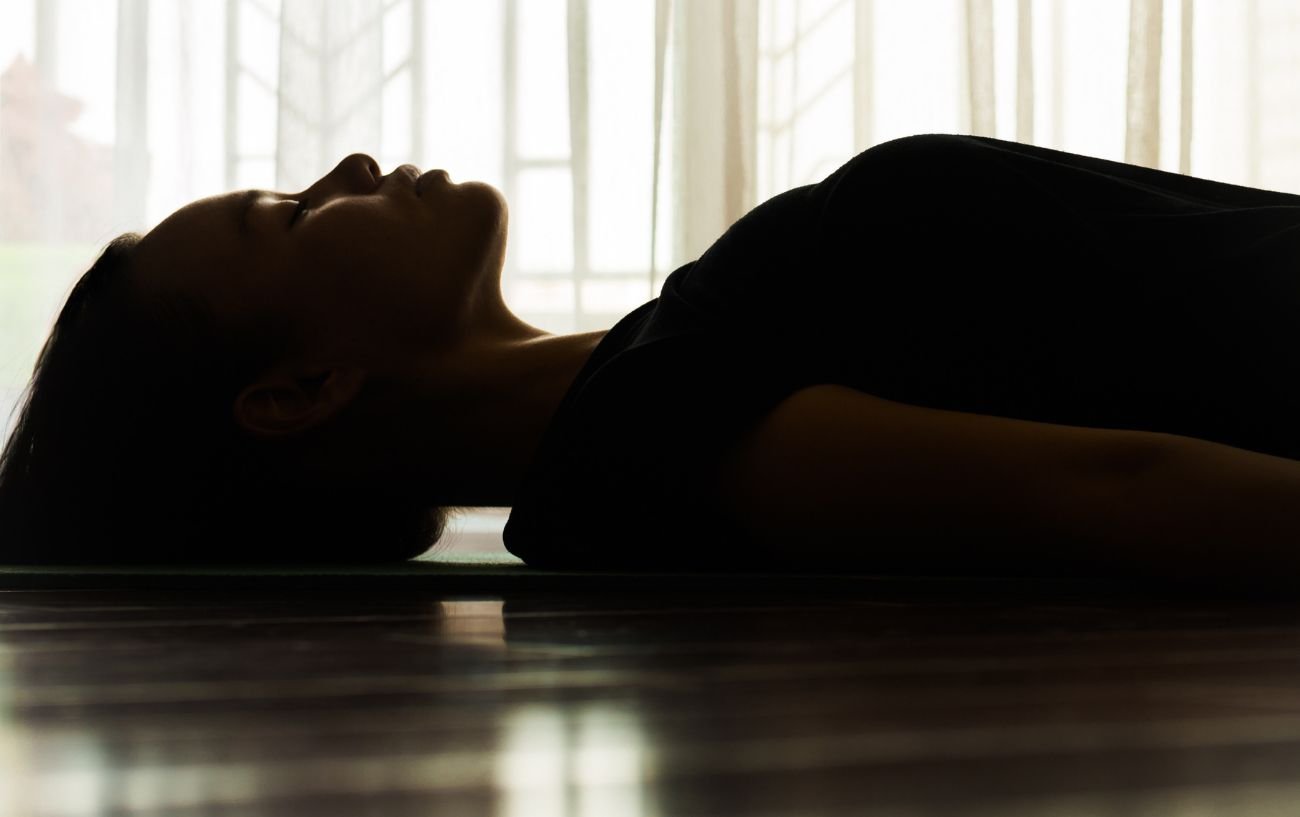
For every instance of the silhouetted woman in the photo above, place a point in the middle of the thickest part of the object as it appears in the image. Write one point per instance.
(953, 354)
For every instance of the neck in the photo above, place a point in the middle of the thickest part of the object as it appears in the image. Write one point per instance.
(487, 406)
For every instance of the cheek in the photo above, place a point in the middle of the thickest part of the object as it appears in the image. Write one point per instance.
(399, 274)
(387, 295)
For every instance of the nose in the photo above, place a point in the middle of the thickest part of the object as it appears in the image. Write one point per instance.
(360, 164)
(357, 172)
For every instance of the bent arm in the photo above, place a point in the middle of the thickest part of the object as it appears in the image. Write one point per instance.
(835, 477)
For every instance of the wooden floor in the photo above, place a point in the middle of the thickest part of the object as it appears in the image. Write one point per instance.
(534, 705)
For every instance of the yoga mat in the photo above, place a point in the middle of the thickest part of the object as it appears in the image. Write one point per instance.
(494, 573)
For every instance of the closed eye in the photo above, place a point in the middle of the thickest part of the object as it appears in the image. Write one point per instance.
(298, 211)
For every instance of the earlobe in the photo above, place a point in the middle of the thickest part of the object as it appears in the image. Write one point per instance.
(285, 406)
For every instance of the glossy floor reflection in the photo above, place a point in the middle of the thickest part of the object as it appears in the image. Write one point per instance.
(634, 705)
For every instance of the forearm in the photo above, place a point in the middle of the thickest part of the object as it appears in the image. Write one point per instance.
(1206, 512)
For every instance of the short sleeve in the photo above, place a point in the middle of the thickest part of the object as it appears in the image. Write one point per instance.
(629, 486)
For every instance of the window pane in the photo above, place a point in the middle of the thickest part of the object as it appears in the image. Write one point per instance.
(535, 295)
(397, 36)
(18, 34)
(187, 105)
(541, 221)
(256, 119)
(259, 39)
(613, 299)
(258, 173)
(87, 65)
(542, 77)
(396, 124)
(34, 281)
(463, 107)
(622, 135)
(919, 40)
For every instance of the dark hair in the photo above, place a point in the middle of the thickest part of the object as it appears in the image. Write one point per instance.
(126, 448)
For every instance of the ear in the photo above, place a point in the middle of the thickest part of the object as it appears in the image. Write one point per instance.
(284, 405)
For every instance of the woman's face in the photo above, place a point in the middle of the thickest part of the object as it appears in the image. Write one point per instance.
(371, 270)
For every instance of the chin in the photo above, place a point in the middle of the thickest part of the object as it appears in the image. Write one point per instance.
(494, 203)
(489, 194)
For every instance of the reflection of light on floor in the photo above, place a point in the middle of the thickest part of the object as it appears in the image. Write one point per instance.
(159, 787)
(584, 763)
(479, 622)
(81, 790)
(15, 767)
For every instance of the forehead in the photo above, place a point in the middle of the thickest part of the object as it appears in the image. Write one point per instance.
(198, 242)
(213, 214)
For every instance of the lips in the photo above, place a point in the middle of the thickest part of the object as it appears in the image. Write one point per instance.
(425, 178)
(409, 172)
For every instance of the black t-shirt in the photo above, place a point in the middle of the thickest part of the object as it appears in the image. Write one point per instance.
(958, 272)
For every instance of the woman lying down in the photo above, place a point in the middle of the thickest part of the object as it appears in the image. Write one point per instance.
(953, 355)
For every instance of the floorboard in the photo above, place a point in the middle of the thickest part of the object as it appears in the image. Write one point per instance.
(653, 702)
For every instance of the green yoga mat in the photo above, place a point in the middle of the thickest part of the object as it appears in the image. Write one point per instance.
(491, 573)
(451, 571)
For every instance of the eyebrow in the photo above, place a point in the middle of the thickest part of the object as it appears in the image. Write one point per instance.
(245, 204)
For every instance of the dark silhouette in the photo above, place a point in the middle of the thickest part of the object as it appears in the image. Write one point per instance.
(954, 272)
(326, 376)
(124, 450)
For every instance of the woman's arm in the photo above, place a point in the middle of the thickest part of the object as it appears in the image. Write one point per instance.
(1208, 511)
(835, 477)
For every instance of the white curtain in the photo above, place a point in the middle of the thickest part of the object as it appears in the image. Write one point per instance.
(626, 134)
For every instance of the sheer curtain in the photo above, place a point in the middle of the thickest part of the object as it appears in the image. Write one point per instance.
(625, 135)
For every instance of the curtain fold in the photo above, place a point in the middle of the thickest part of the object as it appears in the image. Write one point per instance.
(1185, 79)
(130, 145)
(979, 67)
(1025, 72)
(1142, 124)
(663, 19)
(715, 73)
(864, 48)
(578, 65)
